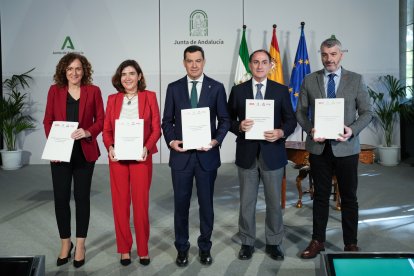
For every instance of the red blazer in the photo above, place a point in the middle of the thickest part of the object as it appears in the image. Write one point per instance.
(91, 115)
(148, 110)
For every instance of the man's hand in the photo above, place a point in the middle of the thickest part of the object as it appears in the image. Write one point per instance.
(246, 125)
(212, 144)
(320, 139)
(344, 137)
(273, 135)
(175, 145)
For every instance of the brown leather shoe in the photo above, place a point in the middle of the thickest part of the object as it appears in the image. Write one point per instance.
(312, 250)
(352, 248)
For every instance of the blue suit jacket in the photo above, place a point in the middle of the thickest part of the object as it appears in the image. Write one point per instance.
(213, 95)
(273, 153)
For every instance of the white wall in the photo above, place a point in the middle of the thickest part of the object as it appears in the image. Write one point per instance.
(108, 32)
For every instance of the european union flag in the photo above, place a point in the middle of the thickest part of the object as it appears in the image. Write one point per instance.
(300, 69)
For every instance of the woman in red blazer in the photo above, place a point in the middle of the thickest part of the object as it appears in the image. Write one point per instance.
(74, 98)
(131, 180)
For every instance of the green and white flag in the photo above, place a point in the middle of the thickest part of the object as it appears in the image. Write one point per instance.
(242, 70)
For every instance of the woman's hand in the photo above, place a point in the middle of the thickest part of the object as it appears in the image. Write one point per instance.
(80, 133)
(111, 154)
(145, 154)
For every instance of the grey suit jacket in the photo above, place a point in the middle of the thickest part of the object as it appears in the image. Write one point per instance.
(358, 110)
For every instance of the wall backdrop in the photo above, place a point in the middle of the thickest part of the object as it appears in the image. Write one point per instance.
(37, 33)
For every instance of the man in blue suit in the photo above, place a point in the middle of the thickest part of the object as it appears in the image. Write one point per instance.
(192, 91)
(261, 159)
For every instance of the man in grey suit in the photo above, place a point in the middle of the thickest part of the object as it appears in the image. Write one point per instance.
(263, 159)
(334, 157)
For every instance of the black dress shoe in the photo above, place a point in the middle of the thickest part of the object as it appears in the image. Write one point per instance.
(144, 261)
(62, 261)
(182, 258)
(246, 252)
(275, 252)
(126, 261)
(352, 248)
(79, 263)
(205, 257)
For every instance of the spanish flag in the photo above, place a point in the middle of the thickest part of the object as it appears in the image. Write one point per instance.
(276, 73)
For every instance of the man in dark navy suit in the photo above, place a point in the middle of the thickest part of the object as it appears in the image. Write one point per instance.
(192, 91)
(262, 159)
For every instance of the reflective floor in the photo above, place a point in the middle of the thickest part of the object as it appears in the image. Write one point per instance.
(28, 226)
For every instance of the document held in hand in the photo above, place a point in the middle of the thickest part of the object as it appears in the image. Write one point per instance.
(262, 113)
(196, 128)
(59, 144)
(329, 118)
(129, 139)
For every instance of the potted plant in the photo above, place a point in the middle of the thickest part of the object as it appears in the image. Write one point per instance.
(14, 118)
(389, 104)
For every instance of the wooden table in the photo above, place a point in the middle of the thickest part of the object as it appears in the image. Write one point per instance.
(297, 154)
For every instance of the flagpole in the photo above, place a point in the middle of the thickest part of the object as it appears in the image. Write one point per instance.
(302, 26)
(244, 26)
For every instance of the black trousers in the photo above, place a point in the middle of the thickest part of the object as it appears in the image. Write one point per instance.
(323, 167)
(62, 173)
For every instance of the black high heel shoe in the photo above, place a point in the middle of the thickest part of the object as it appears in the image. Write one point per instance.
(126, 262)
(79, 263)
(144, 261)
(62, 261)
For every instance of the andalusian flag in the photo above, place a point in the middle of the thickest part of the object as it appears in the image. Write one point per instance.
(276, 73)
(300, 69)
(242, 70)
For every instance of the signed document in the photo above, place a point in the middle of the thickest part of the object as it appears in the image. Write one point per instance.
(196, 128)
(262, 113)
(329, 118)
(129, 139)
(59, 144)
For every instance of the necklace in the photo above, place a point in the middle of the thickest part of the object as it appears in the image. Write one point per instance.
(130, 99)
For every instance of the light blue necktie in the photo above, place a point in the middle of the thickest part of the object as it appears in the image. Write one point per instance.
(331, 86)
(194, 97)
(259, 95)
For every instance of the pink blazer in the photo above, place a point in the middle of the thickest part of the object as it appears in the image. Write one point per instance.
(91, 115)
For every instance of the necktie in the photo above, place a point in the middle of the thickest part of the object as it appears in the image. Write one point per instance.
(194, 97)
(331, 86)
(259, 95)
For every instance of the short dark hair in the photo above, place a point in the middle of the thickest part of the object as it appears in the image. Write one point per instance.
(193, 49)
(260, 51)
(116, 79)
(60, 74)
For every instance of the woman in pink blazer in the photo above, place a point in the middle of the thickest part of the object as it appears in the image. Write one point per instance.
(131, 180)
(74, 98)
